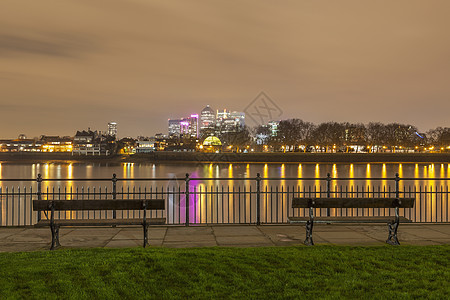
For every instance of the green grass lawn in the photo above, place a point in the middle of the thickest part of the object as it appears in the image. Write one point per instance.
(282, 272)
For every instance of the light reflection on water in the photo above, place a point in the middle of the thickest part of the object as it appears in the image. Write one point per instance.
(387, 171)
(206, 202)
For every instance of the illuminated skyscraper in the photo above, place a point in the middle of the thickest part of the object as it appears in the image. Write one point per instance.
(193, 125)
(229, 121)
(174, 127)
(112, 129)
(187, 127)
(207, 118)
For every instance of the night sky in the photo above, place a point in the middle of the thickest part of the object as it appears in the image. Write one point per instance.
(68, 65)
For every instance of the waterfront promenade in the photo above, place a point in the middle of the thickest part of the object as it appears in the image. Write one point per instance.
(14, 239)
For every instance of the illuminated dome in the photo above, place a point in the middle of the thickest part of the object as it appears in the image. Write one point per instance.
(212, 141)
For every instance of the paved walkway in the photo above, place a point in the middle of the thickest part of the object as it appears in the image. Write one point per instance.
(31, 239)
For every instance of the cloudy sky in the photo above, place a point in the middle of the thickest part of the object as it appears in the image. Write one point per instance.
(68, 65)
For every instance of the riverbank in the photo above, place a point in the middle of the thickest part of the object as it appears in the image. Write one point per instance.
(194, 157)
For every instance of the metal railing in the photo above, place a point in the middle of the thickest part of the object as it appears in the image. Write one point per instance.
(256, 200)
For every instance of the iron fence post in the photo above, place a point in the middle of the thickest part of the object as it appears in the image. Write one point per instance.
(258, 199)
(328, 191)
(39, 193)
(397, 184)
(114, 191)
(186, 204)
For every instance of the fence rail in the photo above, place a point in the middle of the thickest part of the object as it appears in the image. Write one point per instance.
(209, 201)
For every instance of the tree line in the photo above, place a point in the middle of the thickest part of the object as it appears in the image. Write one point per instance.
(334, 136)
(299, 135)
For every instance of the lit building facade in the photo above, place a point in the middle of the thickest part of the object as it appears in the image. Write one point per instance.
(207, 118)
(184, 126)
(56, 143)
(145, 146)
(43, 144)
(174, 127)
(90, 143)
(273, 126)
(112, 129)
(229, 121)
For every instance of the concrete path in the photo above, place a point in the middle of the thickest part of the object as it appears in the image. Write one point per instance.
(31, 239)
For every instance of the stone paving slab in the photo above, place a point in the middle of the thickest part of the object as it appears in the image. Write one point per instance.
(441, 228)
(233, 230)
(14, 239)
(425, 233)
(123, 244)
(235, 240)
(340, 235)
(23, 247)
(137, 233)
(8, 232)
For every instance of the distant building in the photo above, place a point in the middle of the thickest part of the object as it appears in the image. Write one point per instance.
(21, 144)
(90, 143)
(112, 129)
(273, 126)
(145, 146)
(50, 143)
(227, 121)
(207, 118)
(174, 127)
(187, 127)
(193, 125)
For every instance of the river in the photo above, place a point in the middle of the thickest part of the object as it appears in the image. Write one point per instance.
(229, 200)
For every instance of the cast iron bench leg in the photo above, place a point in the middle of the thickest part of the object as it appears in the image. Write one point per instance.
(393, 226)
(392, 237)
(309, 227)
(55, 236)
(146, 235)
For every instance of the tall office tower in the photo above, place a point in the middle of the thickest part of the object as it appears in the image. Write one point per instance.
(229, 121)
(188, 127)
(112, 129)
(238, 117)
(207, 118)
(193, 125)
(174, 127)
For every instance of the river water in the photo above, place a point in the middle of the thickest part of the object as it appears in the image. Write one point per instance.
(227, 200)
(422, 172)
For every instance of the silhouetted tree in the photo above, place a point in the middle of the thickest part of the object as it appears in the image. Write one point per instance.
(327, 135)
(238, 139)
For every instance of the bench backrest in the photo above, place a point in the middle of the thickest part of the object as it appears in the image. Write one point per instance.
(131, 204)
(352, 202)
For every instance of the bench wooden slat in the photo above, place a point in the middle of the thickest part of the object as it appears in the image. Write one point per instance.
(102, 222)
(131, 204)
(352, 202)
(348, 219)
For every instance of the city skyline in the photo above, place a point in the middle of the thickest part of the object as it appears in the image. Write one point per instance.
(80, 64)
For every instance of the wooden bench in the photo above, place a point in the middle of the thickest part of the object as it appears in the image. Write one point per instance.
(313, 203)
(86, 205)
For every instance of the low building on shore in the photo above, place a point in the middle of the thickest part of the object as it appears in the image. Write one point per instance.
(50, 143)
(146, 146)
(88, 142)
